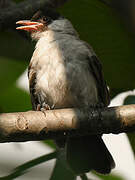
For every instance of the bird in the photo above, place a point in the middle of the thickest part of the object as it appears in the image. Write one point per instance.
(65, 72)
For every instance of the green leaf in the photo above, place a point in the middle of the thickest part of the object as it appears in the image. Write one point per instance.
(129, 100)
(100, 26)
(50, 143)
(109, 177)
(22, 169)
(61, 169)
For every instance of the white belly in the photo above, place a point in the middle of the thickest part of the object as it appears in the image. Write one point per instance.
(62, 83)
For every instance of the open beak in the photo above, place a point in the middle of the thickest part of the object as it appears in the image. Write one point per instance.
(29, 25)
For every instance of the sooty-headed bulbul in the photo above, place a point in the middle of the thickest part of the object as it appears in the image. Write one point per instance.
(64, 72)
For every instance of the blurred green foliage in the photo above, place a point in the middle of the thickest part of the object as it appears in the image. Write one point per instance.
(110, 177)
(10, 70)
(14, 45)
(97, 24)
(14, 100)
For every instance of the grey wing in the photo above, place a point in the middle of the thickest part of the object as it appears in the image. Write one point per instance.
(96, 69)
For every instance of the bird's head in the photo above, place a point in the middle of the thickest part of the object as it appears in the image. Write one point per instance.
(45, 21)
(40, 22)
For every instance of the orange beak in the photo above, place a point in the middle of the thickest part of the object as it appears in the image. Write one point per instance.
(29, 25)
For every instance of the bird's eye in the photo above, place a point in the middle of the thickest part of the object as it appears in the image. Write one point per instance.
(46, 20)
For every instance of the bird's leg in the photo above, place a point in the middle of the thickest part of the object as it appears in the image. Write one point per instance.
(38, 107)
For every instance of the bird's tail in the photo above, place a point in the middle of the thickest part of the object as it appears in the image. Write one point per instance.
(87, 153)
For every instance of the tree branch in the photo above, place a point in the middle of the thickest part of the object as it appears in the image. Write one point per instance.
(24, 10)
(54, 124)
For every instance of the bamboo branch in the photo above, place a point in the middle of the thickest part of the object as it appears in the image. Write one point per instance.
(54, 124)
(24, 10)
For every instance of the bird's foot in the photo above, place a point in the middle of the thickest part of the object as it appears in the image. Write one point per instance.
(44, 107)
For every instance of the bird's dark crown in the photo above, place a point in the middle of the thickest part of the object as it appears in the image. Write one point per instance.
(46, 16)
